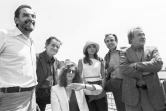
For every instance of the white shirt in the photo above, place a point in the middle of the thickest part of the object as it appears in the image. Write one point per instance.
(17, 59)
(92, 73)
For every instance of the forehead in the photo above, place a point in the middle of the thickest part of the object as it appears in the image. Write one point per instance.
(53, 41)
(110, 37)
(137, 31)
(27, 11)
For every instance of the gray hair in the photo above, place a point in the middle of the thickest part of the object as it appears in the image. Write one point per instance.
(131, 33)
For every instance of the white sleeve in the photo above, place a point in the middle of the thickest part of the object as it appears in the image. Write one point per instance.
(2, 40)
(95, 92)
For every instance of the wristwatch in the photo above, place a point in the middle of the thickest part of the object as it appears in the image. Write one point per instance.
(135, 66)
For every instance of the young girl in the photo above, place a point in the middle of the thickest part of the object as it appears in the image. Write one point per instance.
(92, 69)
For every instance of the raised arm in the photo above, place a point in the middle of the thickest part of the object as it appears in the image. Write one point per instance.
(89, 89)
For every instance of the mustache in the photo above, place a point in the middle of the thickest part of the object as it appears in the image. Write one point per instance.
(27, 21)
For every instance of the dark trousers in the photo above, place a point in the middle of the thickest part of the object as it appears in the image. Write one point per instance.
(42, 106)
(43, 98)
(97, 105)
(114, 86)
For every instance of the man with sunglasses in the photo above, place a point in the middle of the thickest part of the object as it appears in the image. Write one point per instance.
(47, 66)
(114, 76)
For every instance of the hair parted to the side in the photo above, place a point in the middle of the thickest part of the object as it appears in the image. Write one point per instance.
(63, 78)
(130, 34)
(48, 41)
(17, 11)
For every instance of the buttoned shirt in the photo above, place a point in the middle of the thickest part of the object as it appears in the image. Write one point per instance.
(17, 59)
(114, 62)
(49, 80)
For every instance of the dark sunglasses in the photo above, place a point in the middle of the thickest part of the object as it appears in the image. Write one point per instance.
(71, 71)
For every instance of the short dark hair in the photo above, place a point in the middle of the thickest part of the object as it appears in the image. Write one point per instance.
(63, 78)
(17, 11)
(48, 41)
(114, 35)
(131, 34)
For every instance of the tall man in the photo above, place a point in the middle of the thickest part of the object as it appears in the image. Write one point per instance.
(18, 63)
(141, 90)
(114, 76)
(47, 66)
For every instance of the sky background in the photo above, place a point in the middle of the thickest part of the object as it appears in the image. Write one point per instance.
(76, 21)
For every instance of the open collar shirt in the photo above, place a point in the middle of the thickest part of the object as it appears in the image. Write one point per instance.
(17, 59)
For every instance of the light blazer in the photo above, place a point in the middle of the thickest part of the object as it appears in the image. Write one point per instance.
(147, 69)
(59, 101)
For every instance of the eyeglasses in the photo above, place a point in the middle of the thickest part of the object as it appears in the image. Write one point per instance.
(71, 71)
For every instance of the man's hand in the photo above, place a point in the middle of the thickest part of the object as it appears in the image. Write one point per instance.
(141, 82)
(110, 69)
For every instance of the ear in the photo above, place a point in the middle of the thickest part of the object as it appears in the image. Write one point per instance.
(16, 20)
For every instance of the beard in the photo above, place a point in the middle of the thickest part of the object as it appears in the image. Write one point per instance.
(27, 25)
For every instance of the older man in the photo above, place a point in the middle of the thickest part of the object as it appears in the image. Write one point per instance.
(47, 66)
(18, 63)
(141, 89)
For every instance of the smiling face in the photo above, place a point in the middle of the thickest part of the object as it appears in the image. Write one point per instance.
(26, 20)
(110, 42)
(91, 49)
(52, 48)
(138, 39)
(70, 74)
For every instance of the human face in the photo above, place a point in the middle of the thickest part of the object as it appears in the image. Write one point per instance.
(91, 49)
(138, 39)
(110, 42)
(52, 48)
(26, 20)
(70, 74)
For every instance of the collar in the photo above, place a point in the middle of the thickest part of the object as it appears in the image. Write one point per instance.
(137, 48)
(48, 59)
(17, 32)
(117, 49)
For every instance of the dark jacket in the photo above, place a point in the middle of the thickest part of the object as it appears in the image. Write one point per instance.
(42, 71)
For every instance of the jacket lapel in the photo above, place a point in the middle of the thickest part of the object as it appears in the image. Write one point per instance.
(132, 54)
(63, 96)
(43, 63)
(147, 56)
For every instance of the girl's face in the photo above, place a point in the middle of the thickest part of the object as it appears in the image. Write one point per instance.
(91, 49)
(71, 73)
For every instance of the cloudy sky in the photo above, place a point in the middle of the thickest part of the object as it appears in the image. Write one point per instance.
(76, 21)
